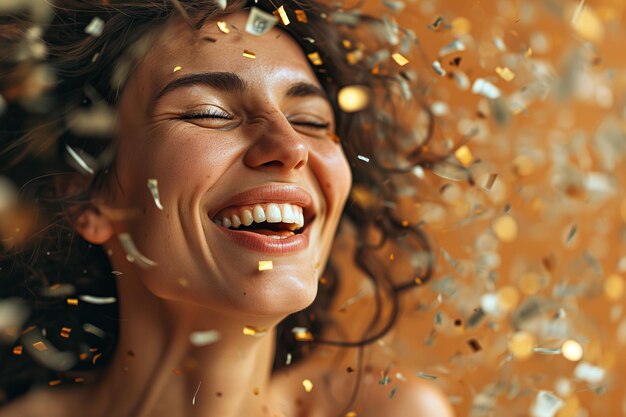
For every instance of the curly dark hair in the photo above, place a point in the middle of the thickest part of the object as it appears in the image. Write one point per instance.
(52, 72)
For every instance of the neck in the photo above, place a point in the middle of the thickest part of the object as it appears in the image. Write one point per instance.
(157, 371)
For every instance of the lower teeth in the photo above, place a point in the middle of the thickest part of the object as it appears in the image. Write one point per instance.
(278, 237)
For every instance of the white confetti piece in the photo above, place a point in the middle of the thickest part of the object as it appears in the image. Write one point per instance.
(95, 27)
(203, 338)
(91, 299)
(153, 186)
(485, 88)
(132, 253)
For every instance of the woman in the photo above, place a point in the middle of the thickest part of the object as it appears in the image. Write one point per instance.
(216, 210)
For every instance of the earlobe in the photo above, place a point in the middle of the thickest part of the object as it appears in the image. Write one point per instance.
(94, 226)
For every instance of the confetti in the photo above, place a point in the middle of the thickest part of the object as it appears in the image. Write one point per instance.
(193, 400)
(464, 155)
(249, 54)
(203, 338)
(72, 301)
(546, 405)
(301, 16)
(399, 58)
(505, 73)
(307, 384)
(92, 299)
(96, 331)
(153, 186)
(222, 26)
(485, 88)
(282, 15)
(95, 27)
(260, 22)
(453, 47)
(132, 253)
(363, 158)
(353, 98)
(426, 376)
(438, 68)
(254, 331)
(315, 58)
(176, 69)
(302, 334)
(505, 228)
(572, 350)
(79, 161)
(288, 359)
(65, 332)
(266, 265)
(222, 4)
(614, 287)
(521, 345)
(17, 350)
(589, 373)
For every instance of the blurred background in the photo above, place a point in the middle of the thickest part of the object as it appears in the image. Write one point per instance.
(525, 312)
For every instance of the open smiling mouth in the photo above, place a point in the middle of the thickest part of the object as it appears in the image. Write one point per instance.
(278, 221)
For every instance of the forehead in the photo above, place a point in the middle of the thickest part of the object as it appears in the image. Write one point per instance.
(180, 50)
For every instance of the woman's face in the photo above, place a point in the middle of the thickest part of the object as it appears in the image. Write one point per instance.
(227, 135)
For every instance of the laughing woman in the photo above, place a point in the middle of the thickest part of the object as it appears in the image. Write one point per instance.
(183, 158)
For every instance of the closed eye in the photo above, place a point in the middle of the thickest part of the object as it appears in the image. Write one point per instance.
(209, 113)
(313, 125)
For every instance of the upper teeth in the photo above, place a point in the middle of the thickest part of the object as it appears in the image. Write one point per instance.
(266, 212)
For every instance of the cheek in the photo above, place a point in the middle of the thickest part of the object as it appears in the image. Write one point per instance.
(335, 177)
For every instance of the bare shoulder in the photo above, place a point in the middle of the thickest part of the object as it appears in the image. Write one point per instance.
(406, 397)
(40, 403)
(323, 388)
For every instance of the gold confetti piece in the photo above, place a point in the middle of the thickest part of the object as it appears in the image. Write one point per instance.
(96, 357)
(302, 334)
(523, 165)
(505, 73)
(614, 287)
(132, 253)
(153, 186)
(72, 301)
(223, 26)
(266, 265)
(521, 345)
(508, 298)
(40, 346)
(54, 382)
(315, 58)
(254, 331)
(572, 350)
(351, 414)
(249, 54)
(464, 155)
(176, 69)
(95, 27)
(530, 283)
(588, 25)
(400, 59)
(307, 384)
(461, 26)
(353, 98)
(505, 228)
(301, 16)
(17, 350)
(354, 56)
(282, 15)
(65, 332)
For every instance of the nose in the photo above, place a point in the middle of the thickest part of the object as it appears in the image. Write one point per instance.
(277, 145)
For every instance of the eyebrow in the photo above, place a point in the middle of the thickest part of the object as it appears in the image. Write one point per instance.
(229, 81)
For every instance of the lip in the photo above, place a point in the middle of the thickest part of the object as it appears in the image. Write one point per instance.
(267, 245)
(271, 193)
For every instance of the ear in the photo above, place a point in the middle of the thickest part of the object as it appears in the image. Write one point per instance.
(92, 223)
(94, 226)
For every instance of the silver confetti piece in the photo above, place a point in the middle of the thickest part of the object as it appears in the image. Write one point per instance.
(132, 253)
(153, 186)
(260, 22)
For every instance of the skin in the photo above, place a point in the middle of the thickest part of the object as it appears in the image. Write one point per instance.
(204, 281)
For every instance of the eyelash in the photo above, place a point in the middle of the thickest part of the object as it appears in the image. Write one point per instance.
(219, 114)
